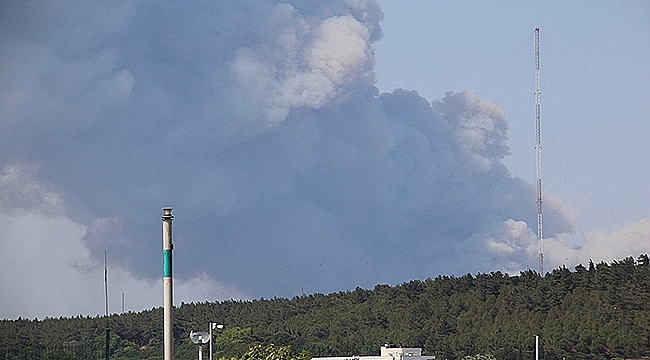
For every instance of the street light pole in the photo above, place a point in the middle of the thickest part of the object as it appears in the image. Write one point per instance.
(212, 326)
(199, 338)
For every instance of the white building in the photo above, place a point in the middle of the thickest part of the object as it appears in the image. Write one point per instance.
(387, 353)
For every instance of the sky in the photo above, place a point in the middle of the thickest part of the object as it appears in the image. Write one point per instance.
(311, 147)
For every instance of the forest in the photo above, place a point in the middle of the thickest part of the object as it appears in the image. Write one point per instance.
(598, 311)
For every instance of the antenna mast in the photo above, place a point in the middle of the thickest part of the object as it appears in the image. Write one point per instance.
(105, 285)
(108, 330)
(538, 148)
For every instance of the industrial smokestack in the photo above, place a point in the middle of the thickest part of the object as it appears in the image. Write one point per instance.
(168, 303)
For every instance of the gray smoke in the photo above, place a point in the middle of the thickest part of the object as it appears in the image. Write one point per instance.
(260, 123)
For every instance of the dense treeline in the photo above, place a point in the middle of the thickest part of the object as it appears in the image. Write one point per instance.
(601, 311)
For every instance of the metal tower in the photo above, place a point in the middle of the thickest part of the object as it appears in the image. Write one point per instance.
(538, 148)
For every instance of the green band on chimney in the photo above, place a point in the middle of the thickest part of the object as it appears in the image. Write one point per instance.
(167, 263)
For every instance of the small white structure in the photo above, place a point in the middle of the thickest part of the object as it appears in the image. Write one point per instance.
(387, 353)
(200, 338)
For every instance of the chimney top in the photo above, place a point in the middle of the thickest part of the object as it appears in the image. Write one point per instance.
(167, 213)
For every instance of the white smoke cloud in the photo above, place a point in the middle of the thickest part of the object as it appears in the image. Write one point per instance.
(599, 245)
(20, 194)
(309, 65)
(514, 238)
(515, 244)
(480, 127)
(48, 270)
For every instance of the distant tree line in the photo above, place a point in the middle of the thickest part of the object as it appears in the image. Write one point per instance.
(601, 311)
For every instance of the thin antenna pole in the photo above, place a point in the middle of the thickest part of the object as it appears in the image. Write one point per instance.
(538, 147)
(105, 284)
(108, 330)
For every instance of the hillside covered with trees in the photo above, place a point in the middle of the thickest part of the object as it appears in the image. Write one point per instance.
(601, 311)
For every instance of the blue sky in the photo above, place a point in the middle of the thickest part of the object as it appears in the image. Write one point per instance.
(311, 146)
(601, 51)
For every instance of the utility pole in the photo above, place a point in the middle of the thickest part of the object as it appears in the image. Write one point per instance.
(212, 326)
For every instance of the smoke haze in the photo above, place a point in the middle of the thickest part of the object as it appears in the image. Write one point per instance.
(261, 124)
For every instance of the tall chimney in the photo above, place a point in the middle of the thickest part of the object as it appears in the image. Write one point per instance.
(168, 294)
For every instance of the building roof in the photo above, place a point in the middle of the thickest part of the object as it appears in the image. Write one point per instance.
(387, 353)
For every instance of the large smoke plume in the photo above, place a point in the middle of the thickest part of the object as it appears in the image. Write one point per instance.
(260, 123)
